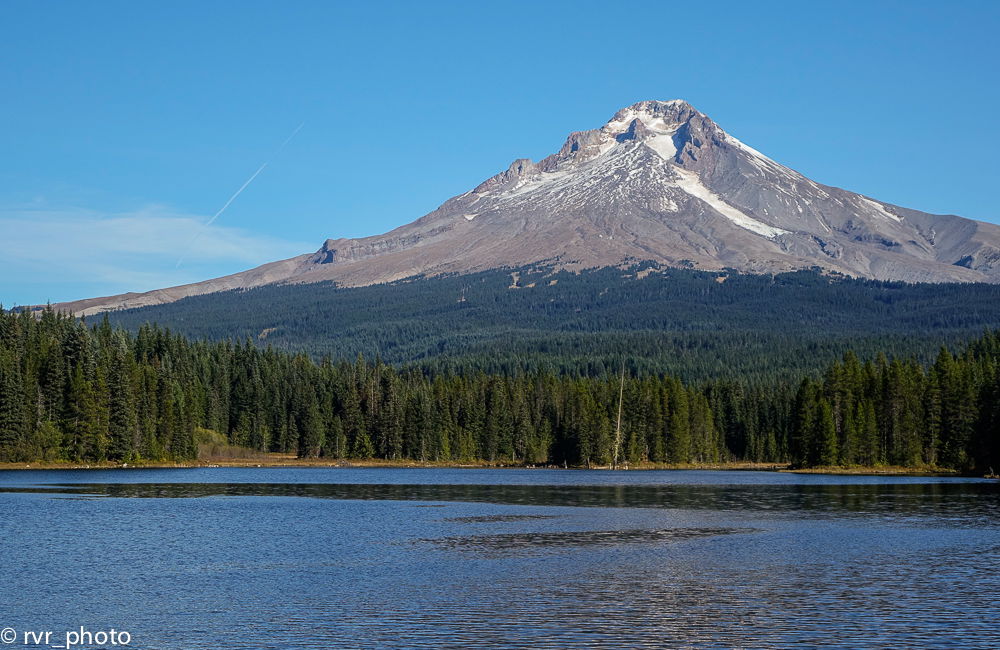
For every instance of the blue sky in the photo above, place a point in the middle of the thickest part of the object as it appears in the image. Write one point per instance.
(125, 126)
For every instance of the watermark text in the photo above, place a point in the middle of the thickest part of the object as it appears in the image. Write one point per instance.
(67, 639)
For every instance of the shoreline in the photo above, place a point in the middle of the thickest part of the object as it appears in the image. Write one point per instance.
(289, 461)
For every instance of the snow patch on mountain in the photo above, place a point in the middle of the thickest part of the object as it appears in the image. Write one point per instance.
(762, 162)
(880, 209)
(663, 145)
(690, 183)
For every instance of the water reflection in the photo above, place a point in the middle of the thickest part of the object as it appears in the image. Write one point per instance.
(966, 502)
(530, 542)
(493, 519)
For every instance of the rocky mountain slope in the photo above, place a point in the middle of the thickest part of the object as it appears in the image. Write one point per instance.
(660, 181)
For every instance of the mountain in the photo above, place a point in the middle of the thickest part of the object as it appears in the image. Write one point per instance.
(661, 182)
(698, 325)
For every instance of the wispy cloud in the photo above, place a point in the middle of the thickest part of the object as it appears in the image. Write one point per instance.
(64, 254)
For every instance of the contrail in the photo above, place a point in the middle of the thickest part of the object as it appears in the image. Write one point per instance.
(233, 197)
(237, 193)
(289, 138)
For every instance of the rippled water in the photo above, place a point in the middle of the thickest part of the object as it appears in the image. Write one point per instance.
(310, 558)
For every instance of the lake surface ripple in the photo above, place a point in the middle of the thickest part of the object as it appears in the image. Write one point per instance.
(331, 557)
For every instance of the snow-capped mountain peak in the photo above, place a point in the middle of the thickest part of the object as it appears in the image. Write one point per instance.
(657, 117)
(658, 181)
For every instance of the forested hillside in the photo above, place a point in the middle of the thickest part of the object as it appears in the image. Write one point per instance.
(694, 325)
(70, 391)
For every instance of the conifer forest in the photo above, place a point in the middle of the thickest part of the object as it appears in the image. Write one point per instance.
(74, 391)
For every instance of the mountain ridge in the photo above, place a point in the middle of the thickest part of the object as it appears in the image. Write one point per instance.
(695, 324)
(660, 181)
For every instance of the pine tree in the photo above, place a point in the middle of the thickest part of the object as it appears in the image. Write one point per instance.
(824, 436)
(12, 412)
(123, 429)
(678, 443)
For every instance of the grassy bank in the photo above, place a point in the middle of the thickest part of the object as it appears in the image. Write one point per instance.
(881, 470)
(290, 460)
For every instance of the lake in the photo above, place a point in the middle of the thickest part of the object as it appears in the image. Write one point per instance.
(466, 558)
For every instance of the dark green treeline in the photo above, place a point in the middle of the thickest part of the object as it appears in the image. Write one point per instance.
(69, 391)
